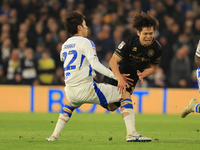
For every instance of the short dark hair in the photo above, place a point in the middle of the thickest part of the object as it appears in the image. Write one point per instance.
(145, 20)
(73, 19)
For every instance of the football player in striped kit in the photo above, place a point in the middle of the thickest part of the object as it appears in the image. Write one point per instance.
(194, 105)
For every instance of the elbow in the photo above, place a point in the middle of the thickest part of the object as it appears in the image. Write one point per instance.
(153, 67)
(110, 62)
(93, 66)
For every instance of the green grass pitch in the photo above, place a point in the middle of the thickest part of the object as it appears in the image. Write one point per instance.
(27, 131)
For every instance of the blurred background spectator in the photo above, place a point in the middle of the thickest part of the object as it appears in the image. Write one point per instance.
(180, 68)
(32, 33)
(11, 67)
(28, 67)
(46, 68)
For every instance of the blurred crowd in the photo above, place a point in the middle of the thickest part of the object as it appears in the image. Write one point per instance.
(32, 33)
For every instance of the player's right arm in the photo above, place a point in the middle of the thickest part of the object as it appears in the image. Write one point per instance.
(119, 54)
(122, 83)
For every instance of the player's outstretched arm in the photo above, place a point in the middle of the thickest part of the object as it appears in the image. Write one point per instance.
(96, 65)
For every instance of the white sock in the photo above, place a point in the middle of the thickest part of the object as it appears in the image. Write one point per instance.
(129, 121)
(62, 120)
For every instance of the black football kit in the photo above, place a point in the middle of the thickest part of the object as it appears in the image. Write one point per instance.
(135, 57)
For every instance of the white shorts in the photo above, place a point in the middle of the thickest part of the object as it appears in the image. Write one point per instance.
(93, 93)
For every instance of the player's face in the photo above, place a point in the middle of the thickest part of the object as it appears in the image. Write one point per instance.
(84, 29)
(146, 35)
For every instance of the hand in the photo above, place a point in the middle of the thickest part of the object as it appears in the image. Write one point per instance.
(128, 80)
(140, 75)
(122, 85)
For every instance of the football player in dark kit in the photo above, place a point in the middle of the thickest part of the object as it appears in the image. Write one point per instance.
(135, 53)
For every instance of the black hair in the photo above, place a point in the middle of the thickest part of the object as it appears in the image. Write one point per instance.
(145, 20)
(73, 19)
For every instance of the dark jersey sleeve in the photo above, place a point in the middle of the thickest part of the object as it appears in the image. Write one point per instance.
(157, 57)
(122, 49)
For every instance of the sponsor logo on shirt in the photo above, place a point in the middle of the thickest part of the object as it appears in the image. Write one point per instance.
(121, 45)
(140, 58)
(134, 49)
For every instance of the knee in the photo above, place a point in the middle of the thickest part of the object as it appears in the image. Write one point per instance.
(126, 95)
(112, 107)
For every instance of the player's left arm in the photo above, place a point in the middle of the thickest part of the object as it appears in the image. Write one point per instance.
(147, 71)
(153, 64)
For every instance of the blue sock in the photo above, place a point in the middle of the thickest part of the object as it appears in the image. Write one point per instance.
(126, 103)
(197, 108)
(67, 109)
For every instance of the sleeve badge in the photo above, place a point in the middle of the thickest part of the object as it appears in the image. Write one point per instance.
(121, 45)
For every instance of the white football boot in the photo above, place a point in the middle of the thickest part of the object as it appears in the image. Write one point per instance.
(189, 108)
(51, 138)
(136, 137)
